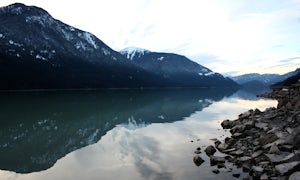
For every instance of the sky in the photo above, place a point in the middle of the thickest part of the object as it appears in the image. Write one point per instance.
(232, 37)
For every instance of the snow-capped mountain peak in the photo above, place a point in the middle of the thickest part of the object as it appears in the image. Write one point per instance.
(131, 52)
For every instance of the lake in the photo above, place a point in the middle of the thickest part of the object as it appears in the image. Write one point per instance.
(116, 134)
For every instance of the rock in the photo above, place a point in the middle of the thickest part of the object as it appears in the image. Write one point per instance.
(222, 147)
(257, 170)
(197, 152)
(221, 165)
(264, 177)
(236, 175)
(214, 160)
(256, 154)
(214, 139)
(244, 158)
(237, 153)
(289, 130)
(257, 112)
(295, 176)
(261, 125)
(286, 147)
(266, 139)
(274, 149)
(286, 168)
(216, 171)
(198, 160)
(246, 167)
(210, 150)
(227, 124)
(238, 135)
(217, 142)
(282, 158)
(244, 115)
(237, 129)
(229, 150)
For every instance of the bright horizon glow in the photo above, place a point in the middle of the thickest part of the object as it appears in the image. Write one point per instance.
(250, 36)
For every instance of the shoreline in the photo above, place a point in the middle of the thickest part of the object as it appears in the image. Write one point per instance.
(266, 144)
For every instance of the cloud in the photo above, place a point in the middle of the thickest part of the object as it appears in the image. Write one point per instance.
(292, 59)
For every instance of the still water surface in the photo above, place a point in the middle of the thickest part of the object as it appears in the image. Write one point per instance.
(149, 134)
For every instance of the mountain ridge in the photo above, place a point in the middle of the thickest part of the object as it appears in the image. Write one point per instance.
(175, 66)
(262, 79)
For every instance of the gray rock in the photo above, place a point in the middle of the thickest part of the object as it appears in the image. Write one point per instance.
(221, 165)
(261, 125)
(286, 147)
(236, 175)
(237, 129)
(244, 158)
(249, 124)
(214, 160)
(227, 124)
(246, 167)
(286, 168)
(256, 154)
(274, 149)
(216, 171)
(257, 170)
(295, 176)
(266, 139)
(222, 147)
(244, 115)
(237, 135)
(210, 150)
(264, 177)
(236, 153)
(198, 160)
(281, 158)
(229, 150)
(197, 152)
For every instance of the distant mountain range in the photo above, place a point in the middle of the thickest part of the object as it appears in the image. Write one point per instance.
(258, 80)
(40, 52)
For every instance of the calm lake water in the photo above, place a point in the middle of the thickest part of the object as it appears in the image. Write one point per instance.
(117, 134)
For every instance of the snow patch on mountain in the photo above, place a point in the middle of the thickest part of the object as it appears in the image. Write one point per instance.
(16, 9)
(90, 39)
(67, 35)
(105, 51)
(206, 74)
(161, 58)
(11, 42)
(38, 56)
(131, 52)
(44, 20)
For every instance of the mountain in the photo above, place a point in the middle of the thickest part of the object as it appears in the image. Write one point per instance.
(258, 80)
(176, 68)
(287, 82)
(40, 52)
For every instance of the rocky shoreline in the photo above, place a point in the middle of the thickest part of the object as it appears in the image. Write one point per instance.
(264, 144)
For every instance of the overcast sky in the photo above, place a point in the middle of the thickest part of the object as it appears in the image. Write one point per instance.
(227, 36)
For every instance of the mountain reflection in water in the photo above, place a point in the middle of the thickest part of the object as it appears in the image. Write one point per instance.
(37, 129)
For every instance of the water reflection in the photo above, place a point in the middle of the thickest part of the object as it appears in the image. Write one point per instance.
(37, 129)
(250, 93)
